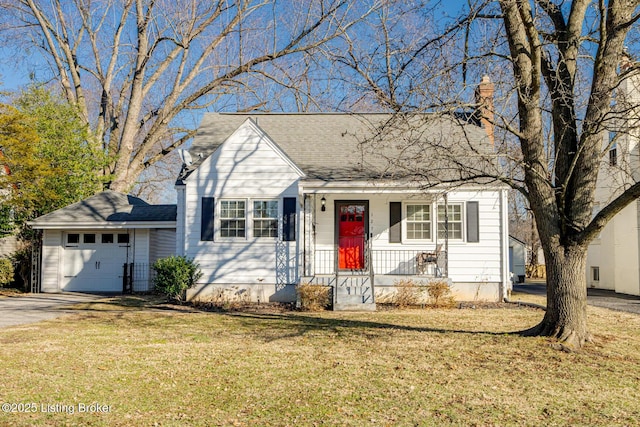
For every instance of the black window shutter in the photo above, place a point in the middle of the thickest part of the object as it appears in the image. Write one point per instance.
(395, 222)
(473, 223)
(207, 220)
(289, 219)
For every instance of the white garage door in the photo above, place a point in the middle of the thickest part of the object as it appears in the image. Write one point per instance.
(93, 262)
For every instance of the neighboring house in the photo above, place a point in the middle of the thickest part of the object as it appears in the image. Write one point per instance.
(86, 245)
(8, 246)
(274, 200)
(613, 260)
(8, 241)
(517, 259)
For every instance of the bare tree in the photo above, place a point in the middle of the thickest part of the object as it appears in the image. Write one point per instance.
(555, 63)
(137, 68)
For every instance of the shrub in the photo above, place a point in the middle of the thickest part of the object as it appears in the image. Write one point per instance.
(408, 293)
(6, 272)
(440, 294)
(174, 275)
(21, 259)
(313, 297)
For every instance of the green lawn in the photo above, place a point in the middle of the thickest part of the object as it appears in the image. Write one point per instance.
(416, 367)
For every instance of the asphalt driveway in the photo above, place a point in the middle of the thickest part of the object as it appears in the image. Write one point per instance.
(596, 297)
(33, 308)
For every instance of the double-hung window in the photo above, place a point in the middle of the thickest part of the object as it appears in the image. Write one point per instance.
(265, 218)
(233, 218)
(418, 222)
(454, 222)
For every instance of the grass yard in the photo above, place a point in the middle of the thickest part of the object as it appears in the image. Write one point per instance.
(414, 367)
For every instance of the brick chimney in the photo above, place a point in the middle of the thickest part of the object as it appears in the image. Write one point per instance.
(484, 100)
(625, 62)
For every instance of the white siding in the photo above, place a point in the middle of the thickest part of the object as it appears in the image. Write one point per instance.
(616, 252)
(163, 244)
(247, 166)
(140, 255)
(517, 263)
(140, 251)
(51, 261)
(8, 245)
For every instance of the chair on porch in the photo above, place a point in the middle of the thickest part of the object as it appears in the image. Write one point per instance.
(424, 259)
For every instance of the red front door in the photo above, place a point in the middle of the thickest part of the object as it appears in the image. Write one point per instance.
(351, 235)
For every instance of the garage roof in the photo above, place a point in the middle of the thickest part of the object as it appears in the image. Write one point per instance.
(109, 209)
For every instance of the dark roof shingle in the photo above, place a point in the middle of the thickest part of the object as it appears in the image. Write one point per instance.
(339, 146)
(108, 207)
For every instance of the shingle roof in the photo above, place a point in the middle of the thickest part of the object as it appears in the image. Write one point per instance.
(108, 207)
(338, 146)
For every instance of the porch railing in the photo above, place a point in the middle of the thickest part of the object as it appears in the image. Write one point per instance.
(393, 262)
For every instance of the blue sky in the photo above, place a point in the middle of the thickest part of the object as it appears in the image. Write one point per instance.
(16, 67)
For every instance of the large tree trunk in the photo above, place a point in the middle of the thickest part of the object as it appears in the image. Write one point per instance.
(566, 316)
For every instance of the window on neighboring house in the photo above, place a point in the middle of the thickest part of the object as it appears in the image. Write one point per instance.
(233, 218)
(88, 238)
(454, 214)
(265, 218)
(107, 238)
(613, 155)
(123, 238)
(418, 221)
(595, 274)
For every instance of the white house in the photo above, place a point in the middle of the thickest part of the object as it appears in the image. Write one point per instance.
(613, 260)
(86, 245)
(273, 200)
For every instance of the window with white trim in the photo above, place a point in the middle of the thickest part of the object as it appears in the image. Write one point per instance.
(454, 214)
(233, 218)
(418, 221)
(265, 218)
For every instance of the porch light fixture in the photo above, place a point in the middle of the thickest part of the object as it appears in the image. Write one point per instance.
(323, 203)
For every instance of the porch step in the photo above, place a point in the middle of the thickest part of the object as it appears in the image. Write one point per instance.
(353, 293)
(354, 298)
(354, 307)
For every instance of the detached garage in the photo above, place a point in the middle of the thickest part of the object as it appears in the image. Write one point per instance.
(86, 245)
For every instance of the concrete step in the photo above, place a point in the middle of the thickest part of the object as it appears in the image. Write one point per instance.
(351, 299)
(354, 307)
(353, 290)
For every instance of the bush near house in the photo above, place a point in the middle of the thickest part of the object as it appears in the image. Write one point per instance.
(6, 271)
(313, 297)
(174, 275)
(440, 294)
(408, 293)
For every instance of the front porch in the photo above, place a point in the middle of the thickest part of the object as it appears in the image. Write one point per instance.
(355, 289)
(355, 240)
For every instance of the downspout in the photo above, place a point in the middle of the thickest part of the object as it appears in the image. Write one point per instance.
(301, 236)
(446, 236)
(505, 283)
